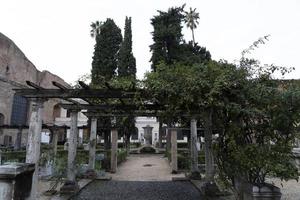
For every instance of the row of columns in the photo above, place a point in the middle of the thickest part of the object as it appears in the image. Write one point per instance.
(34, 144)
(34, 138)
(171, 145)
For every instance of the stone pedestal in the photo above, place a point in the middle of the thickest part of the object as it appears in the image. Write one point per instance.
(114, 151)
(296, 154)
(69, 187)
(16, 181)
(264, 191)
(148, 134)
(174, 163)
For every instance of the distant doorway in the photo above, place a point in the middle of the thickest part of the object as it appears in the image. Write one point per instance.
(1, 119)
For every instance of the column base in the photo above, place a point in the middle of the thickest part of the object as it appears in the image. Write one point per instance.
(210, 189)
(69, 187)
(90, 174)
(195, 176)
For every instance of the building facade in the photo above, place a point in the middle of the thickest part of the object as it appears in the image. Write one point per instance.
(15, 70)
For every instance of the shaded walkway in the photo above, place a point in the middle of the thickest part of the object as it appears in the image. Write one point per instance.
(139, 190)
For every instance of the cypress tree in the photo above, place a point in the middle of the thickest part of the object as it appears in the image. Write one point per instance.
(126, 60)
(104, 65)
(127, 70)
(107, 45)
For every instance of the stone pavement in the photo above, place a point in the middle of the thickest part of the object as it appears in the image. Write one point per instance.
(45, 185)
(142, 177)
(145, 167)
(290, 189)
(139, 190)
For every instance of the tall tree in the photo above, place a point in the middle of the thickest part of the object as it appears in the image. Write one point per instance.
(107, 45)
(167, 36)
(127, 72)
(95, 28)
(126, 60)
(104, 64)
(191, 20)
(169, 46)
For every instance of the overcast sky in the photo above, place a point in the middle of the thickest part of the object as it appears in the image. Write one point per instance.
(55, 34)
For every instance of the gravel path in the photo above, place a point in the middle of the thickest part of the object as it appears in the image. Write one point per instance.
(139, 190)
(145, 167)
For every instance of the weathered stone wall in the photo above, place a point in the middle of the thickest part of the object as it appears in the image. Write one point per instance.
(15, 70)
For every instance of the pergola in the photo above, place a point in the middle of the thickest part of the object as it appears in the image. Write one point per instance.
(94, 110)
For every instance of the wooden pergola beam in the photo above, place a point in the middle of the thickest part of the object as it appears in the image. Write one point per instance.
(39, 92)
(35, 86)
(121, 114)
(114, 107)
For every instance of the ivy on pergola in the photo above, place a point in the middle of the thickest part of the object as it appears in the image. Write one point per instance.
(145, 107)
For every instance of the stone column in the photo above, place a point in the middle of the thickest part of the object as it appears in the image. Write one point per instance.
(18, 141)
(92, 143)
(54, 141)
(209, 158)
(160, 134)
(71, 185)
(34, 143)
(174, 163)
(114, 151)
(168, 140)
(193, 143)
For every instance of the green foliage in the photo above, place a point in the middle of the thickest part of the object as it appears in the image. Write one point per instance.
(257, 117)
(107, 45)
(169, 46)
(95, 28)
(167, 36)
(259, 125)
(191, 20)
(126, 60)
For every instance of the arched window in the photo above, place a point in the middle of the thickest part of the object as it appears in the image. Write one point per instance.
(1, 119)
(19, 111)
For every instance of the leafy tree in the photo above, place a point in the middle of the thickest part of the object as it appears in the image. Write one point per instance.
(169, 46)
(104, 65)
(95, 28)
(107, 45)
(193, 53)
(126, 60)
(259, 121)
(167, 36)
(191, 20)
